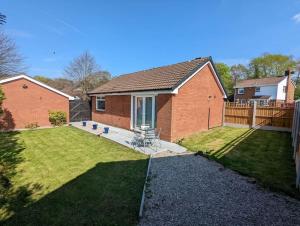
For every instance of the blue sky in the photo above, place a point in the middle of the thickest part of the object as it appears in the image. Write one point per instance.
(126, 36)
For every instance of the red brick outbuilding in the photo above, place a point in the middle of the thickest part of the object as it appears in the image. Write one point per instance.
(29, 101)
(178, 99)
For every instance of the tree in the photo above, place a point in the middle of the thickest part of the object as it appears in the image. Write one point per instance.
(62, 84)
(239, 71)
(11, 63)
(2, 19)
(2, 97)
(297, 80)
(269, 65)
(82, 71)
(226, 77)
(43, 79)
(98, 78)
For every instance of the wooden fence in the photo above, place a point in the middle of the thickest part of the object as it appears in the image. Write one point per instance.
(251, 115)
(296, 141)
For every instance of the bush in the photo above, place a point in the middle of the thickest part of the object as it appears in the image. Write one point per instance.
(2, 97)
(57, 118)
(32, 125)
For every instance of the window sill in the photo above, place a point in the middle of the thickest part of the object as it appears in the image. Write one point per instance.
(100, 110)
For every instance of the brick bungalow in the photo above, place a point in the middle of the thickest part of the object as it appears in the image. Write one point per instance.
(29, 101)
(180, 99)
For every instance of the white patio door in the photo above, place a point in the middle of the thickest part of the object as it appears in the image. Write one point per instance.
(144, 111)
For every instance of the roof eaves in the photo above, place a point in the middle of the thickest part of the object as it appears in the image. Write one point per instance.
(131, 91)
(36, 82)
(189, 74)
(217, 73)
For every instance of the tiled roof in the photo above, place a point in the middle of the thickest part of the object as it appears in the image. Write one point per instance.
(259, 82)
(159, 78)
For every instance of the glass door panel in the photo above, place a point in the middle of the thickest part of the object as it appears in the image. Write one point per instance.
(139, 111)
(148, 111)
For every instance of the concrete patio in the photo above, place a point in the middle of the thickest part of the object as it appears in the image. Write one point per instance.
(125, 138)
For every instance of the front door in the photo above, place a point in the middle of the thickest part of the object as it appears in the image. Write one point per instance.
(144, 111)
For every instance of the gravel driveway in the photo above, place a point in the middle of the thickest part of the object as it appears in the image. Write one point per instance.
(191, 190)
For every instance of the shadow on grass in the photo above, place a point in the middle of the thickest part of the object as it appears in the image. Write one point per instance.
(108, 194)
(11, 198)
(264, 155)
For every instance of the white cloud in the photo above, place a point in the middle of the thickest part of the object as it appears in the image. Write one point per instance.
(296, 18)
(19, 33)
(68, 25)
(56, 31)
(62, 25)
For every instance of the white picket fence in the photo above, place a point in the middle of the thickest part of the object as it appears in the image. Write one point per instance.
(296, 140)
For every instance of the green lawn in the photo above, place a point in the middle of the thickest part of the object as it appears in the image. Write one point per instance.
(64, 176)
(264, 155)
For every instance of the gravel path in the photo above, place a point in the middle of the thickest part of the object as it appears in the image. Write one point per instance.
(191, 190)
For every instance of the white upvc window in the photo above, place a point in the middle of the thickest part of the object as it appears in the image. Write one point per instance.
(100, 103)
(241, 90)
(257, 89)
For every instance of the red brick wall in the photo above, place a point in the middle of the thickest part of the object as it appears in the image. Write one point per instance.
(249, 93)
(164, 115)
(290, 92)
(30, 105)
(190, 107)
(177, 115)
(117, 111)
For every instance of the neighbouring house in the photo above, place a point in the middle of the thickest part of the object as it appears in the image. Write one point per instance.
(265, 90)
(29, 101)
(178, 99)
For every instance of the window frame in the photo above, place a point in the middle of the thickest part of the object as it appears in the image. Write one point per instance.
(100, 98)
(239, 91)
(257, 89)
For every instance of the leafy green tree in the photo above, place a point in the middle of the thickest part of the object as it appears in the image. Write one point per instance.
(2, 97)
(226, 77)
(297, 92)
(239, 71)
(43, 79)
(269, 65)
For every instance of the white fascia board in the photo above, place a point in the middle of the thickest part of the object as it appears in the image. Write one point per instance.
(140, 93)
(36, 82)
(243, 87)
(175, 91)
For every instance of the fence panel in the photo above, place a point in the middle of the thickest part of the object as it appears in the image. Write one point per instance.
(280, 116)
(238, 114)
(295, 141)
(274, 116)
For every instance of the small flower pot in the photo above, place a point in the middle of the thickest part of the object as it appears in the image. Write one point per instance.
(95, 126)
(106, 129)
(83, 123)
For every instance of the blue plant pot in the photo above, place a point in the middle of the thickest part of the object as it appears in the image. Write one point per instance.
(106, 129)
(83, 123)
(95, 126)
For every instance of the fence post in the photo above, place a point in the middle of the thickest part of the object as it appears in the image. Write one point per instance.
(254, 114)
(223, 113)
